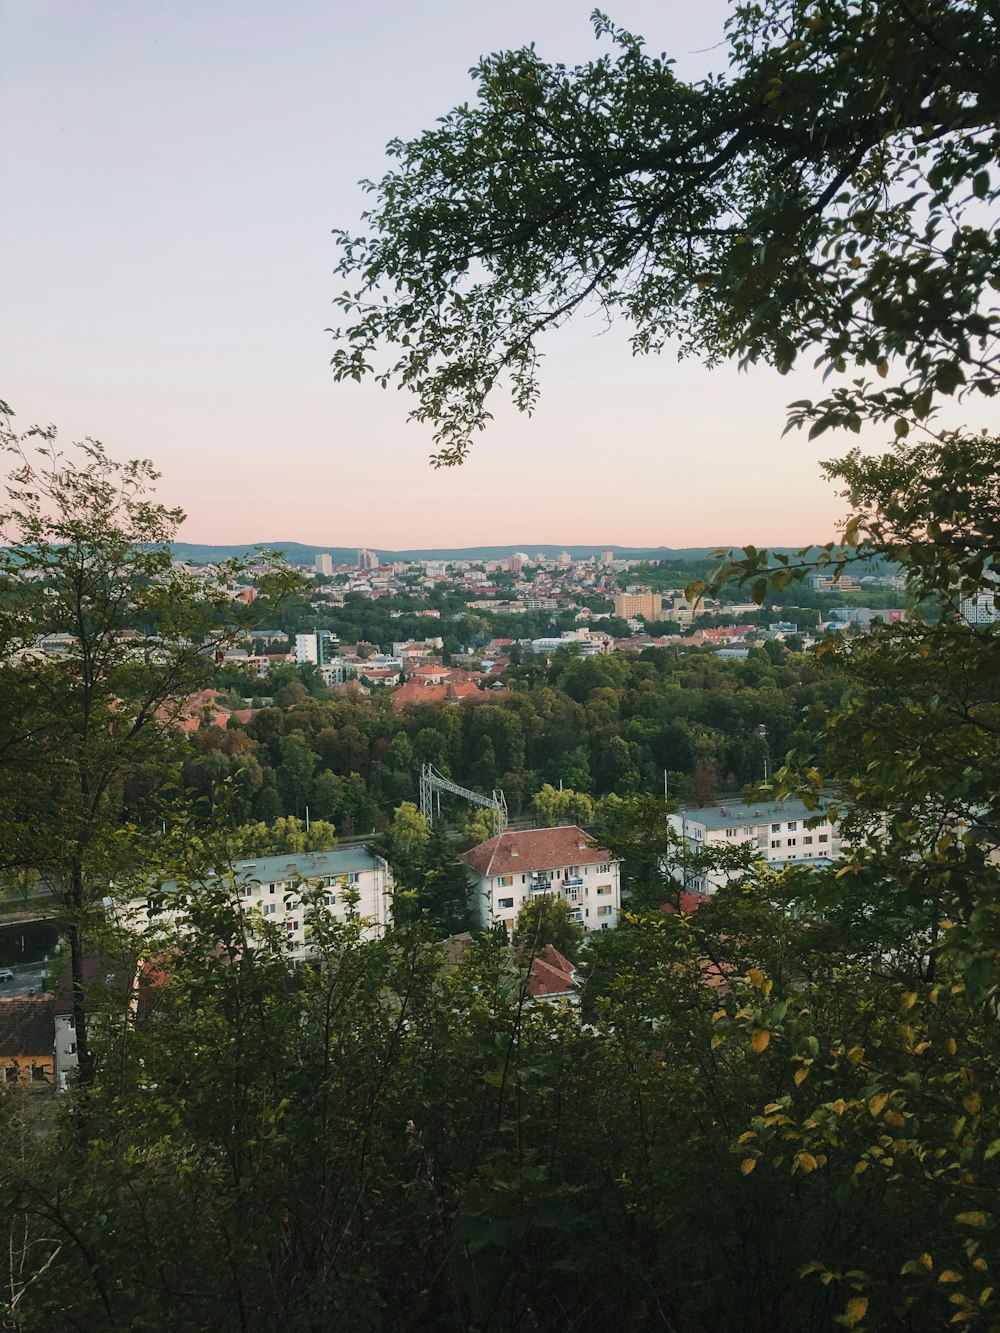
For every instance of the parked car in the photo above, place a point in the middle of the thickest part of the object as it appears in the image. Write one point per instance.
(6, 974)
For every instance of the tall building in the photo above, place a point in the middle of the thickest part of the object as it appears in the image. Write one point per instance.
(566, 863)
(648, 605)
(367, 559)
(607, 557)
(774, 831)
(324, 564)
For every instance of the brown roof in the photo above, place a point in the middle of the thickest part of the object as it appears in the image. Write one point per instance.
(551, 974)
(27, 1027)
(535, 849)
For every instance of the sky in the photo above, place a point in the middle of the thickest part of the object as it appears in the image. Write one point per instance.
(171, 176)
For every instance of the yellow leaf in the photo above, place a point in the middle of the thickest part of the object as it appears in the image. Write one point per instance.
(747, 1135)
(980, 1264)
(949, 1275)
(759, 1039)
(895, 1119)
(767, 987)
(927, 1261)
(747, 1165)
(908, 999)
(801, 1075)
(719, 1013)
(806, 1162)
(973, 1103)
(920, 1047)
(951, 1046)
(840, 1106)
(756, 977)
(856, 1054)
(877, 1102)
(857, 1308)
(975, 1219)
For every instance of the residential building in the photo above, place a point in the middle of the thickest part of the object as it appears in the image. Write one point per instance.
(516, 866)
(367, 559)
(777, 832)
(982, 609)
(272, 886)
(643, 603)
(324, 564)
(27, 1042)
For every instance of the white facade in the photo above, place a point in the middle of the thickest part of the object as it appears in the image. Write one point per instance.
(324, 564)
(515, 867)
(306, 649)
(272, 886)
(777, 832)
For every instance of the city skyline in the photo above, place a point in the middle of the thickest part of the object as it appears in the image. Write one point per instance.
(167, 271)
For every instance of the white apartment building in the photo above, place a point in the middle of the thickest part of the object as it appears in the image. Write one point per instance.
(515, 867)
(323, 564)
(272, 885)
(777, 832)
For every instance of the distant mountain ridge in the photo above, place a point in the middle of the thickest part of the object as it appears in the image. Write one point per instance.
(298, 553)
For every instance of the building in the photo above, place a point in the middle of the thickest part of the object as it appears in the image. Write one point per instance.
(27, 1042)
(367, 559)
(607, 558)
(981, 609)
(646, 604)
(777, 832)
(324, 564)
(318, 647)
(272, 885)
(516, 866)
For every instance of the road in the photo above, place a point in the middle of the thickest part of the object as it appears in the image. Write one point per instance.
(27, 980)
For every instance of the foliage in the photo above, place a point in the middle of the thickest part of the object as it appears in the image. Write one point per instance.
(545, 919)
(85, 567)
(810, 201)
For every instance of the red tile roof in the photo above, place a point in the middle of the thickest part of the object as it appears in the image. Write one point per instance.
(535, 849)
(551, 974)
(27, 1027)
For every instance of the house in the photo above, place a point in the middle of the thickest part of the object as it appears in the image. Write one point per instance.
(27, 1042)
(354, 882)
(515, 866)
(552, 978)
(777, 832)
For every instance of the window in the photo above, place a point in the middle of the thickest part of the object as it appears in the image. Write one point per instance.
(329, 900)
(10, 1074)
(807, 841)
(792, 825)
(271, 888)
(775, 843)
(775, 828)
(791, 842)
(291, 926)
(732, 832)
(822, 838)
(604, 911)
(604, 869)
(353, 879)
(269, 909)
(603, 889)
(573, 872)
(37, 1074)
(505, 902)
(505, 881)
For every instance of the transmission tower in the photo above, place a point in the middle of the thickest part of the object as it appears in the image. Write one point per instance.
(432, 784)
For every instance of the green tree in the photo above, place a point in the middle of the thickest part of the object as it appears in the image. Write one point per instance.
(811, 201)
(552, 806)
(85, 556)
(545, 919)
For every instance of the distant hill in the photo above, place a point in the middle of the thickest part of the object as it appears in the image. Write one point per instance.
(299, 554)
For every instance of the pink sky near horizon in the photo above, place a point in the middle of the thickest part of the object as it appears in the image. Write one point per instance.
(172, 176)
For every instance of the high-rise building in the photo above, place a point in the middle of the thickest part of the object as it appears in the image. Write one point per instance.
(646, 604)
(367, 559)
(324, 564)
(607, 557)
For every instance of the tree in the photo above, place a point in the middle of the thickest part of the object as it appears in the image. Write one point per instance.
(85, 567)
(812, 200)
(545, 919)
(552, 806)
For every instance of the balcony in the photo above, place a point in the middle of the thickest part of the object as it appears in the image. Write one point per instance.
(540, 883)
(573, 882)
